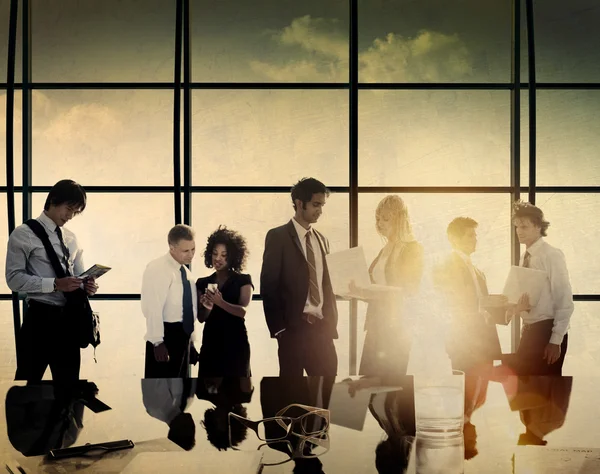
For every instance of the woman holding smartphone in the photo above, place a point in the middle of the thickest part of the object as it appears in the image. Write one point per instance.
(224, 297)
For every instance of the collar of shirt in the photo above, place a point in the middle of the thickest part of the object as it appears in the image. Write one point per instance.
(535, 249)
(47, 222)
(172, 262)
(301, 231)
(466, 258)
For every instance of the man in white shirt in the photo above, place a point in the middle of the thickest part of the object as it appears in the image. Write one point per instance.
(544, 337)
(298, 300)
(48, 336)
(169, 304)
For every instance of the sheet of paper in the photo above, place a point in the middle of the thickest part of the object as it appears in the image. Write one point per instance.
(348, 411)
(524, 280)
(345, 266)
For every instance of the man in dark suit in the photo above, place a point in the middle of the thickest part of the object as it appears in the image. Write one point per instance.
(298, 299)
(472, 339)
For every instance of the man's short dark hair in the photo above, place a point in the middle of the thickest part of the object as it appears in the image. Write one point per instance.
(526, 210)
(237, 250)
(66, 191)
(180, 232)
(460, 225)
(305, 188)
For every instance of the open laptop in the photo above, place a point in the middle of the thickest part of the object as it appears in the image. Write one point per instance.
(351, 264)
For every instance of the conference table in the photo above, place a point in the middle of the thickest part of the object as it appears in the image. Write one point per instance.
(308, 424)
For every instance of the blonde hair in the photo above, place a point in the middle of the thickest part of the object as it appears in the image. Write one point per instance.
(395, 206)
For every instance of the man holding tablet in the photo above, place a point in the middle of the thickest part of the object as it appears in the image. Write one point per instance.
(47, 337)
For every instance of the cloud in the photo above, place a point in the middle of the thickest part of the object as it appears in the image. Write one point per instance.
(322, 55)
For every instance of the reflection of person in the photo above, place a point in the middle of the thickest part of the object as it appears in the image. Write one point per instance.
(170, 307)
(166, 400)
(298, 299)
(228, 394)
(42, 416)
(399, 263)
(542, 402)
(472, 340)
(544, 338)
(225, 348)
(395, 413)
(47, 336)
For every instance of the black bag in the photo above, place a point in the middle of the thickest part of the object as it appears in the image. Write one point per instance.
(86, 321)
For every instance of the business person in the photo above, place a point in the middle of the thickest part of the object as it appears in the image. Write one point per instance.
(399, 264)
(544, 336)
(225, 350)
(298, 299)
(167, 400)
(169, 305)
(48, 336)
(228, 395)
(472, 339)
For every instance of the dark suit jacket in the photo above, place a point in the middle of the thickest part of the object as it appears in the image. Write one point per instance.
(284, 281)
(403, 268)
(471, 340)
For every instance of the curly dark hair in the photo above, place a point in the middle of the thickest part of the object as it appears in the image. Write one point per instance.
(525, 210)
(220, 438)
(237, 250)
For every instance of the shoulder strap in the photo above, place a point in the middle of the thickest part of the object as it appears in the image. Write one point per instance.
(39, 230)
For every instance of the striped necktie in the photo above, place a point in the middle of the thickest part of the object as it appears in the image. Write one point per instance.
(65, 250)
(526, 260)
(313, 284)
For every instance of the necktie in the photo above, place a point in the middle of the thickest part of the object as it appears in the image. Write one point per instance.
(526, 259)
(65, 250)
(188, 305)
(313, 283)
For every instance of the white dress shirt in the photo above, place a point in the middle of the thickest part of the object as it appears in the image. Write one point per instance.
(28, 267)
(556, 298)
(162, 397)
(308, 307)
(162, 296)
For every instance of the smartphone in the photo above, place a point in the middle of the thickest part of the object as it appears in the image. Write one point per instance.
(87, 448)
(212, 287)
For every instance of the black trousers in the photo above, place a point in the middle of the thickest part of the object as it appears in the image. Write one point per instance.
(178, 343)
(47, 338)
(309, 348)
(529, 359)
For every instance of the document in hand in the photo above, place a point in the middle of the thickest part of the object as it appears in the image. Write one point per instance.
(351, 265)
(524, 280)
(96, 271)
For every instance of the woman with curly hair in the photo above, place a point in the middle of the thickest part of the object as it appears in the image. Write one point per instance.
(224, 297)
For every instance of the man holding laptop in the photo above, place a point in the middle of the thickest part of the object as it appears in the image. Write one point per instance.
(47, 336)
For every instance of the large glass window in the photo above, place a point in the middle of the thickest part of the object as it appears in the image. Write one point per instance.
(271, 102)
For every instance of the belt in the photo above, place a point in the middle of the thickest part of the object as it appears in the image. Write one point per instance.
(310, 318)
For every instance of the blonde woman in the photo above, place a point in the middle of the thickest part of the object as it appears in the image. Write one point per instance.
(399, 264)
